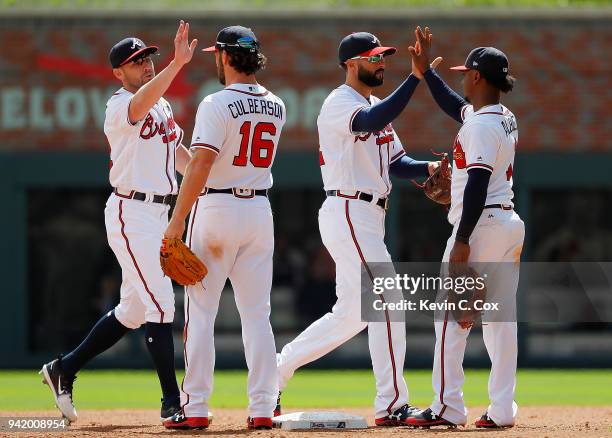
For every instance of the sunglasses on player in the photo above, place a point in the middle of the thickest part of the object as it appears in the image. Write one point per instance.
(373, 59)
(244, 43)
(140, 61)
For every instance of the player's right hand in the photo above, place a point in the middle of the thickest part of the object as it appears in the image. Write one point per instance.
(420, 52)
(175, 229)
(183, 51)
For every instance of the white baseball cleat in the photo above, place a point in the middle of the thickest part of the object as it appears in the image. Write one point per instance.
(61, 387)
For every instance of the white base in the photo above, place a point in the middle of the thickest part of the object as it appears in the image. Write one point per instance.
(319, 420)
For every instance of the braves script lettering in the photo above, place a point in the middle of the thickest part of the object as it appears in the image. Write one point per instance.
(150, 128)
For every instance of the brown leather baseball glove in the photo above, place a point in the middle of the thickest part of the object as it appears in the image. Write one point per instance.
(179, 263)
(437, 186)
(468, 315)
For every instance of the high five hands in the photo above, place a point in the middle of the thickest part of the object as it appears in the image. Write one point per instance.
(183, 51)
(420, 53)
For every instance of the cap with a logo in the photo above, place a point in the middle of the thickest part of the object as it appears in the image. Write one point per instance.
(361, 44)
(128, 49)
(235, 38)
(492, 63)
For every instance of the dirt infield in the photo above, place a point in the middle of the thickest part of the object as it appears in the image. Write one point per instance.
(550, 422)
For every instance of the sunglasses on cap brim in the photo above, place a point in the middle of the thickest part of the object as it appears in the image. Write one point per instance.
(243, 43)
(373, 58)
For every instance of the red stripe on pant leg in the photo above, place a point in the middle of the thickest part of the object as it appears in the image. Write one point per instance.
(185, 333)
(348, 219)
(442, 365)
(350, 224)
(127, 243)
(186, 329)
(195, 211)
(392, 359)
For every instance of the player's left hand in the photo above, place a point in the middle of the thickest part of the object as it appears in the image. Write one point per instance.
(457, 262)
(175, 229)
(183, 51)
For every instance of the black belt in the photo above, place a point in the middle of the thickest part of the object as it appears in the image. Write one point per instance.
(238, 193)
(157, 199)
(382, 202)
(502, 206)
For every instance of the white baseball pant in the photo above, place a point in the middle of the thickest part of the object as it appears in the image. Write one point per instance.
(235, 239)
(135, 230)
(353, 233)
(495, 239)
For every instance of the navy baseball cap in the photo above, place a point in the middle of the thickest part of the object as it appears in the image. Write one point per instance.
(492, 63)
(235, 37)
(361, 44)
(128, 49)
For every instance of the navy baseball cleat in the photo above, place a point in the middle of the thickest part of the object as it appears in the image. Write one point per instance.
(61, 387)
(169, 409)
(427, 418)
(397, 418)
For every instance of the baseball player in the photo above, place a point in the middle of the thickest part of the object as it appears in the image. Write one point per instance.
(485, 228)
(145, 149)
(234, 143)
(359, 150)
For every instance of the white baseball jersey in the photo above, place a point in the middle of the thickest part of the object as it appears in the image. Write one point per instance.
(143, 153)
(487, 140)
(352, 161)
(242, 124)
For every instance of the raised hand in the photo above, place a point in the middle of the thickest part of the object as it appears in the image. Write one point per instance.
(183, 50)
(420, 52)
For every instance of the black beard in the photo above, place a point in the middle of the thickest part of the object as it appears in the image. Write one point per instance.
(221, 74)
(368, 78)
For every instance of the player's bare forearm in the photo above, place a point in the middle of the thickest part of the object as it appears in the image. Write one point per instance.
(182, 158)
(152, 91)
(196, 175)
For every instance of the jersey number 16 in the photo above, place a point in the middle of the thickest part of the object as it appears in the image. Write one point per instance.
(262, 150)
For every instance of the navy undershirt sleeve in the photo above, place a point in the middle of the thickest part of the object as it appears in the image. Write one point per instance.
(449, 101)
(474, 198)
(376, 117)
(409, 168)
